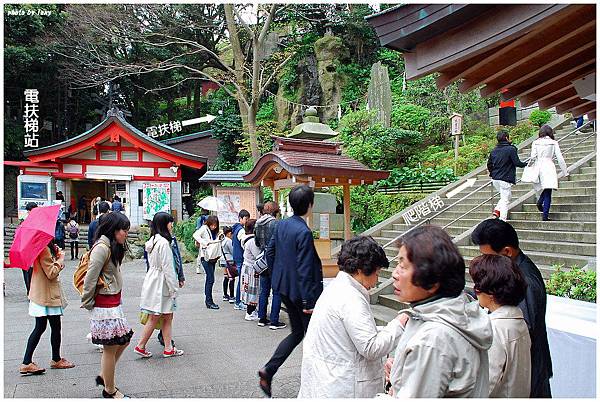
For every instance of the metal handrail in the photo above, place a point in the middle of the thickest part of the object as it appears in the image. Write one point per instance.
(429, 219)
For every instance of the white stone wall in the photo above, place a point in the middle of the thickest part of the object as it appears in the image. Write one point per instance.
(176, 202)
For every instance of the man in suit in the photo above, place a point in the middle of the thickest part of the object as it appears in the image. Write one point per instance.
(494, 236)
(297, 276)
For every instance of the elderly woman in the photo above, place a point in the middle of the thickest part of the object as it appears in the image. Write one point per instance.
(443, 350)
(343, 351)
(500, 287)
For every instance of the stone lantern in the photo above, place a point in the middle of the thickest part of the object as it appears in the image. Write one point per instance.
(311, 128)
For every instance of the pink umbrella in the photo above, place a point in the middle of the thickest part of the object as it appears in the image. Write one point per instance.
(32, 236)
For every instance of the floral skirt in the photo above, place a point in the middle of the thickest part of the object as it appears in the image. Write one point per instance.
(109, 326)
(250, 286)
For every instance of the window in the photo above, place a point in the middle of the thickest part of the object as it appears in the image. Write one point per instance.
(35, 191)
(140, 197)
(185, 187)
(129, 156)
(108, 155)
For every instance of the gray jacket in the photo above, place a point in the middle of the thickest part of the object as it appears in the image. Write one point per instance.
(265, 225)
(111, 274)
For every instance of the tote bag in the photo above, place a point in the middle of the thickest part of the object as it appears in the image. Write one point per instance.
(531, 173)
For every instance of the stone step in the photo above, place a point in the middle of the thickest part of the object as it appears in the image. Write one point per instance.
(518, 215)
(581, 226)
(518, 191)
(545, 270)
(391, 302)
(382, 314)
(538, 257)
(567, 207)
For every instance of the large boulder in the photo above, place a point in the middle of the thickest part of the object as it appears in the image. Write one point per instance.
(329, 51)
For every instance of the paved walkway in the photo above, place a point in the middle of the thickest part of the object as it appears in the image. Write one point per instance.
(222, 351)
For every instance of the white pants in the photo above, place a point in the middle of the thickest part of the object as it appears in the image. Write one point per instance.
(504, 188)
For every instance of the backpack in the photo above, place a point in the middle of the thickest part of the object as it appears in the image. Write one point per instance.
(73, 231)
(82, 268)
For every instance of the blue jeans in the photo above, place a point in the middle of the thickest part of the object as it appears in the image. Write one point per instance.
(545, 200)
(263, 300)
(209, 268)
(237, 289)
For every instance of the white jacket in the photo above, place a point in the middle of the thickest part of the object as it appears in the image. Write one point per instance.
(543, 150)
(443, 351)
(204, 237)
(510, 355)
(160, 284)
(343, 352)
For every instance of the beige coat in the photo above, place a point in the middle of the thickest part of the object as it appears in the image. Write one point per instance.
(443, 351)
(101, 265)
(510, 356)
(343, 351)
(45, 285)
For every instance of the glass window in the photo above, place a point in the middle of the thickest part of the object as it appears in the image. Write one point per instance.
(36, 191)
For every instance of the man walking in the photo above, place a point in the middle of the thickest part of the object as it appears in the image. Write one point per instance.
(297, 276)
(502, 166)
(238, 252)
(497, 237)
(102, 209)
(265, 226)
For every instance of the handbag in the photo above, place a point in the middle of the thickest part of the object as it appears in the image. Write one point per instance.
(144, 320)
(260, 265)
(230, 266)
(531, 173)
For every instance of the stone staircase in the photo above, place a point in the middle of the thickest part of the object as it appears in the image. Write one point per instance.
(568, 239)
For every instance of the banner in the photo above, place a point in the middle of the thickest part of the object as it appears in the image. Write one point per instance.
(156, 198)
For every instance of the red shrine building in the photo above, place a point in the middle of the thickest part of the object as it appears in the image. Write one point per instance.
(113, 158)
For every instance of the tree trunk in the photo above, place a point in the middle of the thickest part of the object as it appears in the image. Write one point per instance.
(197, 94)
(252, 133)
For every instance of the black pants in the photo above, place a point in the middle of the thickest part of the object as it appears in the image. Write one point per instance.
(299, 324)
(228, 284)
(75, 244)
(27, 278)
(38, 330)
(541, 390)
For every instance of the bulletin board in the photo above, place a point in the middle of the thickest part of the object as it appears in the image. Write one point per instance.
(236, 199)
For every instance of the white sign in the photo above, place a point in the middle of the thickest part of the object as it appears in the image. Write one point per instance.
(30, 117)
(324, 226)
(456, 123)
(176, 126)
(423, 209)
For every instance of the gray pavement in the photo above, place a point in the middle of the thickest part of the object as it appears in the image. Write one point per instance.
(222, 351)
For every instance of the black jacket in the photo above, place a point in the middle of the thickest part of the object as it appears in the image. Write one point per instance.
(534, 312)
(503, 162)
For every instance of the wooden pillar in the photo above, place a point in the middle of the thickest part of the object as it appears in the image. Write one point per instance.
(275, 195)
(347, 225)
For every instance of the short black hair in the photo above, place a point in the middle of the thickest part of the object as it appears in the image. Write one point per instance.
(301, 198)
(496, 233)
(30, 205)
(501, 135)
(362, 253)
(259, 207)
(117, 198)
(436, 260)
(499, 276)
(243, 214)
(159, 225)
(249, 228)
(103, 207)
(227, 230)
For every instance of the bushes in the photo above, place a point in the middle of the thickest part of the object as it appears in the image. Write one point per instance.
(540, 117)
(405, 174)
(184, 230)
(410, 117)
(576, 283)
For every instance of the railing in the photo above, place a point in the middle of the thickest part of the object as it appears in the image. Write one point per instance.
(429, 219)
(415, 187)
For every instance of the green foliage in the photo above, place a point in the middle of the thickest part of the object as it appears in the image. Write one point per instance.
(266, 111)
(356, 83)
(397, 145)
(184, 230)
(406, 174)
(540, 117)
(575, 283)
(228, 129)
(410, 117)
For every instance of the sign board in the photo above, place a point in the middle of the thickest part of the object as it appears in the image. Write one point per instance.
(156, 198)
(324, 226)
(456, 125)
(32, 188)
(236, 199)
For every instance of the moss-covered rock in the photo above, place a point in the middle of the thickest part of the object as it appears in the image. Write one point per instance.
(329, 50)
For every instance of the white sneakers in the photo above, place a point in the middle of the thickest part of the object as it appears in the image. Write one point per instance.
(252, 317)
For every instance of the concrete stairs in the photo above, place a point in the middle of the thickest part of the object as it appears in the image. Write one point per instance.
(568, 239)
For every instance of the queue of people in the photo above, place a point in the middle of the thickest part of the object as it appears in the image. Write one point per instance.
(446, 343)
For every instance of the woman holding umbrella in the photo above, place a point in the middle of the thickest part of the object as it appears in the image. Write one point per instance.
(46, 304)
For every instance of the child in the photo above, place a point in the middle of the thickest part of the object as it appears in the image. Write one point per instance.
(226, 262)
(73, 231)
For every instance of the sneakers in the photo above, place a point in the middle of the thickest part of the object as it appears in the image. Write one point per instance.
(239, 306)
(263, 322)
(277, 325)
(225, 298)
(142, 352)
(251, 317)
(232, 300)
(496, 213)
(197, 270)
(172, 353)
(31, 369)
(61, 364)
(212, 306)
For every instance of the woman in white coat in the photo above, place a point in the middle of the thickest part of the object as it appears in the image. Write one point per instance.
(343, 351)
(159, 291)
(543, 151)
(500, 287)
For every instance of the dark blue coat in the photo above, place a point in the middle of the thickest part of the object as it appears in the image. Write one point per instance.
(503, 162)
(238, 250)
(295, 266)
